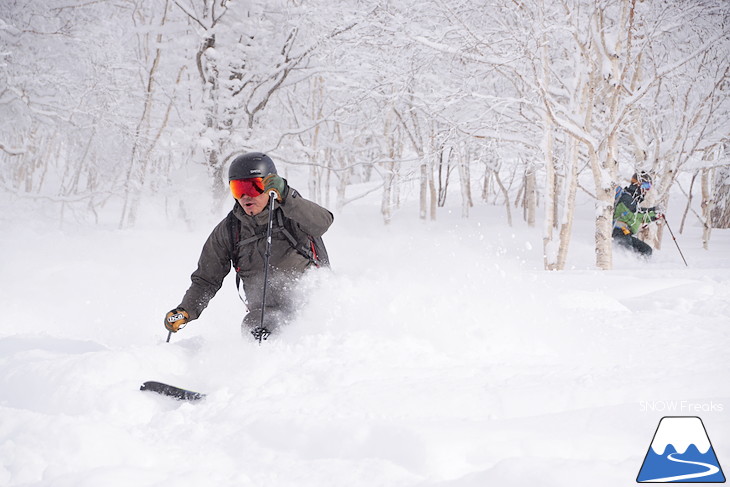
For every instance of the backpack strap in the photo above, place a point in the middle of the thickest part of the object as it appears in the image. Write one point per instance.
(617, 194)
(234, 229)
(310, 247)
(301, 245)
(319, 251)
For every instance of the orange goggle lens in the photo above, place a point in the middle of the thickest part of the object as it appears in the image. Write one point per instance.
(250, 187)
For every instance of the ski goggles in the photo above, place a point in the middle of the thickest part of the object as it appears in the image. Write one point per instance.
(646, 185)
(250, 187)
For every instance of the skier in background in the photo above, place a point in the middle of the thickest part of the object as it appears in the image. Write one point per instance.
(629, 217)
(240, 239)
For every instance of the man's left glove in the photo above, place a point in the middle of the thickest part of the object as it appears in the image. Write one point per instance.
(277, 184)
(176, 319)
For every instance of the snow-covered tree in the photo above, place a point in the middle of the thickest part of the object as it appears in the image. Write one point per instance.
(530, 101)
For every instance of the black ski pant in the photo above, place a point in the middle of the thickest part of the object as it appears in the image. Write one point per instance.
(274, 318)
(631, 243)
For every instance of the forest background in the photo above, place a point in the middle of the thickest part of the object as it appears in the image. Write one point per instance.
(114, 109)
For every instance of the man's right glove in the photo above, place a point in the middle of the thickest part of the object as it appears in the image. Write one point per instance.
(176, 319)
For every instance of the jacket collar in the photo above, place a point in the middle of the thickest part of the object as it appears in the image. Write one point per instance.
(255, 220)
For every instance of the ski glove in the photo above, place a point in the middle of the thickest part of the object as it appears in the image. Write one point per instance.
(176, 319)
(277, 184)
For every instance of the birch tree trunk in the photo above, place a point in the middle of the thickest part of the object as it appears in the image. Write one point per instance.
(315, 173)
(550, 250)
(444, 173)
(721, 209)
(389, 178)
(465, 179)
(604, 226)
(505, 193)
(566, 223)
(708, 205)
(428, 195)
(613, 86)
(423, 193)
(531, 195)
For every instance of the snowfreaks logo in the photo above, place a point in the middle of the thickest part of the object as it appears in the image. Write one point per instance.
(680, 452)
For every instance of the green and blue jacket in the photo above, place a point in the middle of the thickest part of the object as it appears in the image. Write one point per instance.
(627, 214)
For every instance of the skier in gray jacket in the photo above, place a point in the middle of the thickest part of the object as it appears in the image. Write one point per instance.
(240, 239)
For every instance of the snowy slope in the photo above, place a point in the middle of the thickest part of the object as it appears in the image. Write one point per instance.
(435, 354)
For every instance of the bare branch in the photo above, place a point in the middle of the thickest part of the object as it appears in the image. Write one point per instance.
(13, 151)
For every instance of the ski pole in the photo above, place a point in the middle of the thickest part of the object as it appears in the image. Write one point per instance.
(272, 198)
(675, 241)
(169, 334)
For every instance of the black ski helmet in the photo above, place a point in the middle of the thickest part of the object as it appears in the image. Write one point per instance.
(251, 165)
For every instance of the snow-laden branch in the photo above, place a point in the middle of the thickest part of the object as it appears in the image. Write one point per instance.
(290, 64)
(568, 125)
(191, 16)
(13, 151)
(641, 92)
(502, 136)
(446, 49)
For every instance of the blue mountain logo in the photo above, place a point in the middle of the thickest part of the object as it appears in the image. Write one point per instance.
(681, 452)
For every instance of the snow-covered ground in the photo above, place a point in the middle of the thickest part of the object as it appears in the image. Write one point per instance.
(435, 354)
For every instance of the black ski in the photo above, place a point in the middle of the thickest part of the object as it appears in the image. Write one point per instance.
(171, 391)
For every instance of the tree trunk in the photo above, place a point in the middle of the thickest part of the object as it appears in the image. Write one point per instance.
(505, 193)
(720, 215)
(708, 204)
(465, 179)
(432, 193)
(566, 224)
(424, 185)
(531, 195)
(386, 206)
(550, 249)
(444, 173)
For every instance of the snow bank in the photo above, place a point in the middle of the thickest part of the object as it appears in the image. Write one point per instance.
(433, 354)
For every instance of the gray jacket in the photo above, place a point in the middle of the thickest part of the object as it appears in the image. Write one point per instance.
(286, 263)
